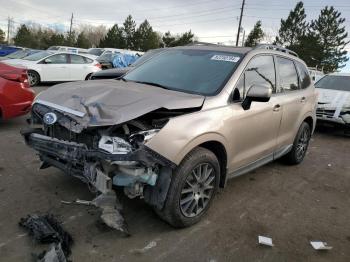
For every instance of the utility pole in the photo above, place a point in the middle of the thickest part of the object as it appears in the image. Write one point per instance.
(71, 25)
(9, 21)
(240, 22)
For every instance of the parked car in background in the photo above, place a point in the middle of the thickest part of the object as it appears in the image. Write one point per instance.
(20, 54)
(16, 96)
(334, 98)
(74, 50)
(106, 59)
(315, 74)
(118, 72)
(50, 66)
(175, 128)
(95, 51)
(6, 49)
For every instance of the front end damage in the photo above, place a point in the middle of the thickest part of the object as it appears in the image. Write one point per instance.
(105, 156)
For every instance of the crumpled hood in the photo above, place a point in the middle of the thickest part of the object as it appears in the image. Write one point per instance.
(329, 98)
(111, 102)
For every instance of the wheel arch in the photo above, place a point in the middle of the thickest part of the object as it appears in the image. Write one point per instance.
(35, 71)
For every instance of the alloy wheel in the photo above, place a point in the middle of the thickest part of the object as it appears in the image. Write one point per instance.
(197, 190)
(303, 143)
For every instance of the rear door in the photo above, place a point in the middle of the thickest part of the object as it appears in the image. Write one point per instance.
(55, 68)
(79, 67)
(294, 98)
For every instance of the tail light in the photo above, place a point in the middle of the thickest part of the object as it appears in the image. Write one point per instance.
(99, 65)
(18, 76)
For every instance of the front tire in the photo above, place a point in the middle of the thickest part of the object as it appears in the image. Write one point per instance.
(33, 78)
(300, 145)
(193, 186)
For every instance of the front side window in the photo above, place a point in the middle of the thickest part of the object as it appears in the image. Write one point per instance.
(77, 59)
(260, 71)
(288, 74)
(57, 59)
(195, 71)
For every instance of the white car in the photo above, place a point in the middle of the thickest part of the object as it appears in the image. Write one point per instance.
(49, 66)
(334, 98)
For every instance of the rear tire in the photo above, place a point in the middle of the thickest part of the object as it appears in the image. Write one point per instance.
(88, 77)
(193, 186)
(300, 145)
(33, 78)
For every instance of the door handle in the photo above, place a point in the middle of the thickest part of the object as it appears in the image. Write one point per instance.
(276, 108)
(303, 99)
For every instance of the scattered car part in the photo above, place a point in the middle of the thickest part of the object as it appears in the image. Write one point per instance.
(54, 254)
(319, 245)
(111, 210)
(46, 229)
(267, 241)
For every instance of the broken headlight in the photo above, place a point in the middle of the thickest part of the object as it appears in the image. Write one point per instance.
(143, 136)
(114, 145)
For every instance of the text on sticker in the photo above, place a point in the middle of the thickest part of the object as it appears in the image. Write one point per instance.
(226, 58)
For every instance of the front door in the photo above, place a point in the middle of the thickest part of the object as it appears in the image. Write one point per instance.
(255, 130)
(55, 68)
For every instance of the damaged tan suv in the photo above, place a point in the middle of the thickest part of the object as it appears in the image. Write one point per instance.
(174, 129)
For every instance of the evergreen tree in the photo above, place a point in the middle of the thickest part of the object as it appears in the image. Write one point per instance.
(129, 30)
(330, 31)
(2, 36)
(168, 39)
(24, 37)
(145, 38)
(294, 27)
(255, 36)
(82, 41)
(179, 40)
(71, 38)
(114, 38)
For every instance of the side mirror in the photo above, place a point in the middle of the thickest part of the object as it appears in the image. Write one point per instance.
(48, 61)
(257, 94)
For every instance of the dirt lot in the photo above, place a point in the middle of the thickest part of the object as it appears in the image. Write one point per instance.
(293, 205)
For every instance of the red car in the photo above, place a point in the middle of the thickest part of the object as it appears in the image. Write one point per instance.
(16, 96)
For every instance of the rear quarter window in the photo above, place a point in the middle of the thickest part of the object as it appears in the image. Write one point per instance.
(305, 79)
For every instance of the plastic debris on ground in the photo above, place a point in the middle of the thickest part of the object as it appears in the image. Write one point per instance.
(319, 245)
(47, 230)
(111, 210)
(265, 241)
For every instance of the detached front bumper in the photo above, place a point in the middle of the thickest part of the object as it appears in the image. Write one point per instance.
(72, 157)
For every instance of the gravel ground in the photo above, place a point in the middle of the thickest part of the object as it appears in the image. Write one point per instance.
(291, 204)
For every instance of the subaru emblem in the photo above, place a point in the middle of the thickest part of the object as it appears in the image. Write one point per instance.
(50, 118)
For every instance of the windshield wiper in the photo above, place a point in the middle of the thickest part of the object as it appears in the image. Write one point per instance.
(152, 84)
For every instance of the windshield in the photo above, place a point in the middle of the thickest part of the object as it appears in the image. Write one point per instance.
(146, 56)
(334, 82)
(202, 72)
(37, 56)
(18, 54)
(95, 51)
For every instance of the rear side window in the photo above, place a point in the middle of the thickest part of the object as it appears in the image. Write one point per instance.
(260, 71)
(288, 74)
(77, 59)
(305, 79)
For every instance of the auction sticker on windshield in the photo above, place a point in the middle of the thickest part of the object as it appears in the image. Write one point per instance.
(226, 58)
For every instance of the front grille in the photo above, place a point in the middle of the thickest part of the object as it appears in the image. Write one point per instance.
(325, 113)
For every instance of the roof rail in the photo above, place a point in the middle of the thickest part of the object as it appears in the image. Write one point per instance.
(201, 43)
(276, 48)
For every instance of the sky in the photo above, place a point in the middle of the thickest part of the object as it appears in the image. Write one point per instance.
(211, 20)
